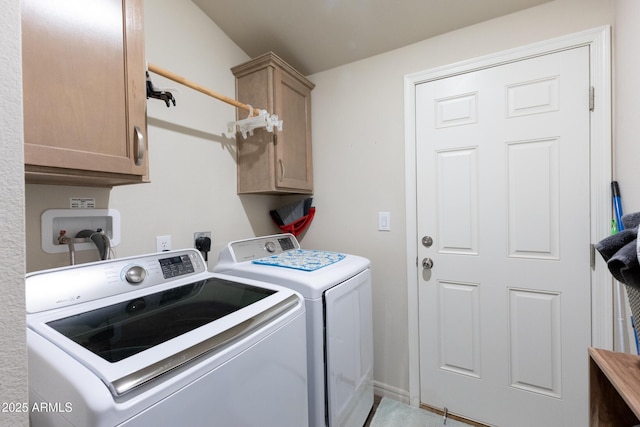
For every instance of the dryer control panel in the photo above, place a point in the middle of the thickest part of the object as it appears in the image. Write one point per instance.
(260, 247)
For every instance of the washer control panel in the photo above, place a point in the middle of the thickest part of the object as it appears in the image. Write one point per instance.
(260, 247)
(176, 266)
(76, 284)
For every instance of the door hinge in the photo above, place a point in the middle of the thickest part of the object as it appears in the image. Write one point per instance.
(593, 256)
(592, 103)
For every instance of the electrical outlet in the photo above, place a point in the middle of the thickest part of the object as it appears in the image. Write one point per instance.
(202, 242)
(201, 234)
(163, 243)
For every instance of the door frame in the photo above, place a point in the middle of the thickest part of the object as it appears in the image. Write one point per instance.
(599, 42)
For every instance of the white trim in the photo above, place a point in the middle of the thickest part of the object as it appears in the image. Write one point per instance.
(386, 390)
(599, 42)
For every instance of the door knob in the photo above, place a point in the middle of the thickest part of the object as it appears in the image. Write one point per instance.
(427, 241)
(427, 263)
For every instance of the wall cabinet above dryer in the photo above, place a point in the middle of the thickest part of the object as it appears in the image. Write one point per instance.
(278, 162)
(84, 92)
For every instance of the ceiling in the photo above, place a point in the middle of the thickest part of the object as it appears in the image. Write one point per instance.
(317, 35)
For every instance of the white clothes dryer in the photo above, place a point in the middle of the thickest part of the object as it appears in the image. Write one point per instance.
(337, 292)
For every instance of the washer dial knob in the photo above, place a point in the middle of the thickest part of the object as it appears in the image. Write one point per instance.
(270, 247)
(135, 274)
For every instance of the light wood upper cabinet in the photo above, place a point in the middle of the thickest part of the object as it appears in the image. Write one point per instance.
(84, 91)
(278, 162)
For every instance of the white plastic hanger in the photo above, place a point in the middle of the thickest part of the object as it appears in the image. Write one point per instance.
(262, 120)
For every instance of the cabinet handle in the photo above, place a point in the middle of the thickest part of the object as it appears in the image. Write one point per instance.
(138, 145)
(281, 169)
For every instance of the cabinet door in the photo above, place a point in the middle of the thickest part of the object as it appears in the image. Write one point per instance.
(294, 168)
(84, 91)
(256, 153)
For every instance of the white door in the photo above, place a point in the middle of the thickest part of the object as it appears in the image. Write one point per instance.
(503, 191)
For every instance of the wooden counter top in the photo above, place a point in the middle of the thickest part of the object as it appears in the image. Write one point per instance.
(614, 388)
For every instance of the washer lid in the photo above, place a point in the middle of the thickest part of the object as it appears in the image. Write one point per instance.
(120, 330)
(136, 337)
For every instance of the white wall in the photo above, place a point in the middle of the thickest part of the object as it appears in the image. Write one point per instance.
(358, 137)
(13, 370)
(626, 134)
(192, 163)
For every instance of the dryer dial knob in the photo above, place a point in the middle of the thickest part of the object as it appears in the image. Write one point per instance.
(270, 247)
(135, 274)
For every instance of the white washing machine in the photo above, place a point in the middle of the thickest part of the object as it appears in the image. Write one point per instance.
(337, 292)
(157, 340)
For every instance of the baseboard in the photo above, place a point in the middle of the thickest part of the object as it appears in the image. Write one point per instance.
(395, 393)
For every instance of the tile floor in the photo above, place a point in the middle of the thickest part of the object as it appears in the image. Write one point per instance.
(376, 402)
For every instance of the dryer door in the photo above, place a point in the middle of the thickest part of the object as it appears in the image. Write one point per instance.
(349, 351)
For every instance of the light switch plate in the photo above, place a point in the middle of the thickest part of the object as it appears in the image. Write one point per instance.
(384, 221)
